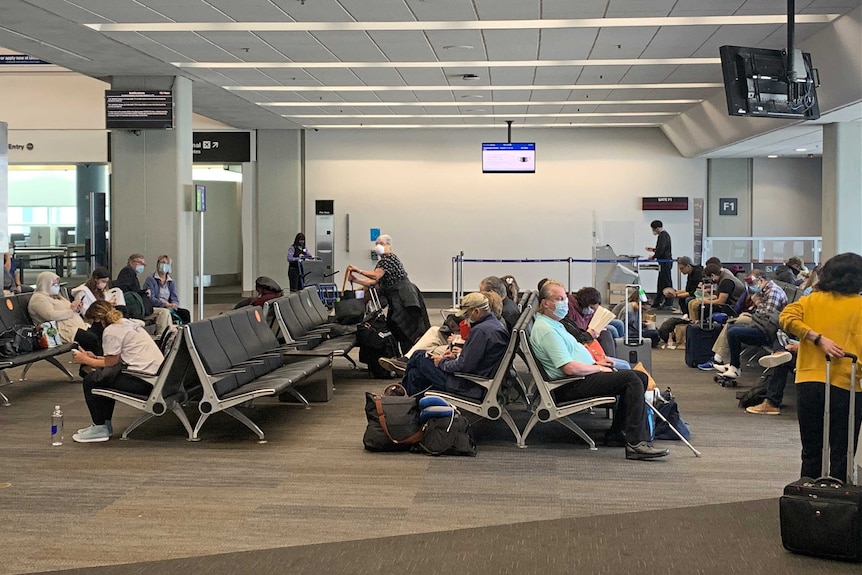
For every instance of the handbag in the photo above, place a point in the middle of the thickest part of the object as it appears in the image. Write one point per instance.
(26, 338)
(348, 309)
(393, 423)
(50, 335)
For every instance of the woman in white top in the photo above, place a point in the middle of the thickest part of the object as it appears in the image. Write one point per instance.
(126, 344)
(46, 304)
(97, 288)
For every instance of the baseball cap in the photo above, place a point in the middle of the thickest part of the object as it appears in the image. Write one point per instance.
(470, 302)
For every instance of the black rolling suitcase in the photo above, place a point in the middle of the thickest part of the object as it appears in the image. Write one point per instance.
(700, 337)
(628, 348)
(823, 517)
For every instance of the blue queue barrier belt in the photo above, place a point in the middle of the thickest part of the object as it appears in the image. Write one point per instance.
(572, 260)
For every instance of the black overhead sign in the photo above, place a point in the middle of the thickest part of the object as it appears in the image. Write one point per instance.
(218, 147)
(665, 203)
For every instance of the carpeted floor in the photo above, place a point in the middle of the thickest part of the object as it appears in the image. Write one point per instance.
(311, 500)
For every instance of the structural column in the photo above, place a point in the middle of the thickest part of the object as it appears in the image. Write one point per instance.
(152, 195)
(842, 189)
(90, 179)
(4, 186)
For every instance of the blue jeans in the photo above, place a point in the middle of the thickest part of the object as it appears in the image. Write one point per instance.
(740, 334)
(422, 374)
(616, 327)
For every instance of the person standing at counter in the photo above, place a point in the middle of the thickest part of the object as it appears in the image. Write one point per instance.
(295, 254)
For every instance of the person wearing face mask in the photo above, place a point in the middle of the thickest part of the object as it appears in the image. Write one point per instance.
(562, 356)
(96, 288)
(46, 304)
(127, 280)
(407, 316)
(163, 291)
(662, 251)
(295, 254)
(481, 354)
(768, 298)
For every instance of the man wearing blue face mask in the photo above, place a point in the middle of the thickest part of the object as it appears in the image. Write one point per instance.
(562, 356)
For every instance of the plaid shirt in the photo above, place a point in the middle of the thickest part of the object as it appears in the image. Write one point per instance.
(772, 299)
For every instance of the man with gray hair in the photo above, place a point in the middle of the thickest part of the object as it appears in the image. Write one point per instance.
(510, 308)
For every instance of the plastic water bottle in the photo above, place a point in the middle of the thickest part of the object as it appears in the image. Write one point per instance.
(57, 426)
(642, 295)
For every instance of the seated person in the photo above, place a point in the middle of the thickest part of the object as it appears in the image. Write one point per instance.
(437, 339)
(481, 355)
(693, 276)
(265, 289)
(127, 344)
(561, 355)
(730, 289)
(96, 288)
(783, 363)
(163, 290)
(127, 280)
(582, 306)
(511, 313)
(637, 326)
(46, 304)
(790, 272)
(767, 298)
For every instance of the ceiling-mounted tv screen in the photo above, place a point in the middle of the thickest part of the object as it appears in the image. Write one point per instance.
(139, 110)
(758, 82)
(509, 158)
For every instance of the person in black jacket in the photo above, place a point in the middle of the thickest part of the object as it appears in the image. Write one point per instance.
(694, 275)
(127, 280)
(791, 272)
(661, 251)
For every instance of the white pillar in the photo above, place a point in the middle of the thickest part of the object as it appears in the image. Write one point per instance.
(4, 186)
(152, 196)
(842, 189)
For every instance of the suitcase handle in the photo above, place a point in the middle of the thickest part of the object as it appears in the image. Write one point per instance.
(851, 464)
(852, 357)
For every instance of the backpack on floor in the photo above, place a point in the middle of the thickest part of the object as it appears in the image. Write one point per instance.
(450, 435)
(756, 395)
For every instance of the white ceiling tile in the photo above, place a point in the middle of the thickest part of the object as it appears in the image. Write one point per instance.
(334, 76)
(442, 10)
(574, 44)
(314, 10)
(553, 9)
(601, 75)
(244, 46)
(249, 77)
(291, 77)
(736, 36)
(778, 39)
(379, 76)
(512, 76)
(622, 42)
(763, 7)
(512, 44)
(71, 12)
(250, 10)
(298, 46)
(512, 95)
(705, 73)
(677, 41)
(552, 95)
(507, 9)
(121, 10)
(639, 8)
(646, 74)
(439, 39)
(191, 46)
(703, 8)
(351, 46)
(403, 45)
(199, 13)
(557, 75)
(423, 76)
(377, 10)
(828, 7)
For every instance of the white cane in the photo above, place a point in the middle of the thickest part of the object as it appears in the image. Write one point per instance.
(672, 428)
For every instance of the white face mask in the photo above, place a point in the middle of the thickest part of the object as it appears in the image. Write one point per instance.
(380, 249)
(54, 289)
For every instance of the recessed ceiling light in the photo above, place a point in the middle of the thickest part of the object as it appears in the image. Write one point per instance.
(458, 47)
(472, 96)
(772, 156)
(801, 149)
(474, 110)
(469, 77)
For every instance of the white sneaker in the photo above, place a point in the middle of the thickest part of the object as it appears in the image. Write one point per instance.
(685, 317)
(93, 434)
(731, 372)
(775, 359)
(671, 346)
(107, 424)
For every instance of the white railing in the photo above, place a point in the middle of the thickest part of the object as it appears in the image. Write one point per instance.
(763, 249)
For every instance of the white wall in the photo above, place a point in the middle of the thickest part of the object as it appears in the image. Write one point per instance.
(786, 197)
(426, 189)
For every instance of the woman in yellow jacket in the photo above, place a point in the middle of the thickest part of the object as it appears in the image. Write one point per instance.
(827, 322)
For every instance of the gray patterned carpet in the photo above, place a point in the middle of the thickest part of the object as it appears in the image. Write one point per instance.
(311, 500)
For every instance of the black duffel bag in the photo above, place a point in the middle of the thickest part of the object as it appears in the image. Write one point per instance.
(393, 423)
(349, 311)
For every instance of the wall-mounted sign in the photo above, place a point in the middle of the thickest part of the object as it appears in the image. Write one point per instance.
(20, 60)
(230, 147)
(728, 206)
(665, 203)
(139, 109)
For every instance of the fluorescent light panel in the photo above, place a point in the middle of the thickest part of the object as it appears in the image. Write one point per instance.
(463, 24)
(482, 126)
(455, 116)
(459, 64)
(468, 104)
(675, 86)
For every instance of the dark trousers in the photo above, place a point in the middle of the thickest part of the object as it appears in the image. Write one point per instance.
(293, 276)
(811, 396)
(91, 339)
(629, 386)
(740, 334)
(664, 281)
(102, 408)
(422, 374)
(777, 382)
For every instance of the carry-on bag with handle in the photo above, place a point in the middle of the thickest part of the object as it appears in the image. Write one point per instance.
(349, 310)
(629, 348)
(823, 517)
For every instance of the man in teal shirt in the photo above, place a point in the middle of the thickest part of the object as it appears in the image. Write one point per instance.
(562, 356)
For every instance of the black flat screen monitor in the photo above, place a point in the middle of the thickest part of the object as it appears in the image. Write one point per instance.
(139, 110)
(509, 158)
(756, 84)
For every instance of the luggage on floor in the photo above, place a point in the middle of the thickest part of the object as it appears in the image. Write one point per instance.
(634, 349)
(823, 517)
(375, 340)
(698, 344)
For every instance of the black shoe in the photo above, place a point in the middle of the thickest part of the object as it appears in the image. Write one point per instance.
(644, 450)
(614, 438)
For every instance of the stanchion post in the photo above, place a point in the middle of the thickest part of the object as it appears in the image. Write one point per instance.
(570, 274)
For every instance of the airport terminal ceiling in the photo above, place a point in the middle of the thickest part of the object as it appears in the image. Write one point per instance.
(417, 63)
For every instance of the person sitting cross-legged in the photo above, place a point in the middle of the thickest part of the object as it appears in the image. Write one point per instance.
(481, 355)
(562, 356)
